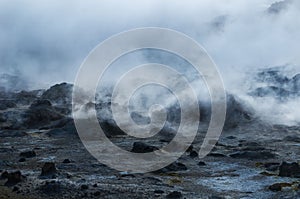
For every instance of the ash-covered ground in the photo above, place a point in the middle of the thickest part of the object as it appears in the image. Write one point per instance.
(41, 155)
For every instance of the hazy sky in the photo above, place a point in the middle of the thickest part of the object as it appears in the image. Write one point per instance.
(48, 39)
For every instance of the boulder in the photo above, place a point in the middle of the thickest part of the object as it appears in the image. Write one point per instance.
(48, 170)
(289, 170)
(13, 178)
(28, 154)
(174, 195)
(140, 147)
(59, 94)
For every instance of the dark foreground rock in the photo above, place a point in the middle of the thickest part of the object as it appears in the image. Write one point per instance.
(289, 170)
(140, 147)
(13, 178)
(174, 195)
(28, 154)
(48, 170)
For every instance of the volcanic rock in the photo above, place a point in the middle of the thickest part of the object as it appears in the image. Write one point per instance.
(59, 94)
(140, 147)
(289, 170)
(174, 195)
(48, 169)
(28, 154)
(13, 178)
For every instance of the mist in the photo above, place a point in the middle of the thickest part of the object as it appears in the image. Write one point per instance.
(45, 42)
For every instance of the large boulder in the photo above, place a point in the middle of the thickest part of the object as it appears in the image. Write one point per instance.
(41, 113)
(59, 94)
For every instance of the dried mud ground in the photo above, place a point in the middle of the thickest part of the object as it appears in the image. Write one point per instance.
(244, 164)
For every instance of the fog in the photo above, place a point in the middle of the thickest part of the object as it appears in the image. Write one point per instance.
(46, 41)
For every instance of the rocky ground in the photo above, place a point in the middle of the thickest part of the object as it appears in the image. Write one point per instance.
(41, 155)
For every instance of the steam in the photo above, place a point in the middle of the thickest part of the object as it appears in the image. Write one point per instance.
(46, 41)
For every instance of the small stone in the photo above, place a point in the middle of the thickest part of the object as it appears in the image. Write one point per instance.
(66, 161)
(218, 155)
(13, 178)
(190, 149)
(97, 193)
(4, 175)
(84, 187)
(279, 186)
(28, 154)
(159, 192)
(95, 185)
(22, 160)
(289, 170)
(174, 195)
(271, 166)
(193, 154)
(140, 147)
(201, 163)
(48, 169)
(15, 189)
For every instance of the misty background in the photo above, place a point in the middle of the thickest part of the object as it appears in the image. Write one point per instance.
(45, 42)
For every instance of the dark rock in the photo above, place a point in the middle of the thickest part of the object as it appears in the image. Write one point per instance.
(159, 191)
(28, 154)
(13, 178)
(193, 154)
(278, 186)
(218, 155)
(37, 117)
(95, 185)
(174, 195)
(59, 94)
(271, 166)
(289, 170)
(84, 187)
(4, 175)
(66, 161)
(275, 187)
(97, 193)
(15, 189)
(252, 155)
(237, 113)
(202, 163)
(48, 169)
(22, 160)
(140, 147)
(190, 149)
(26, 97)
